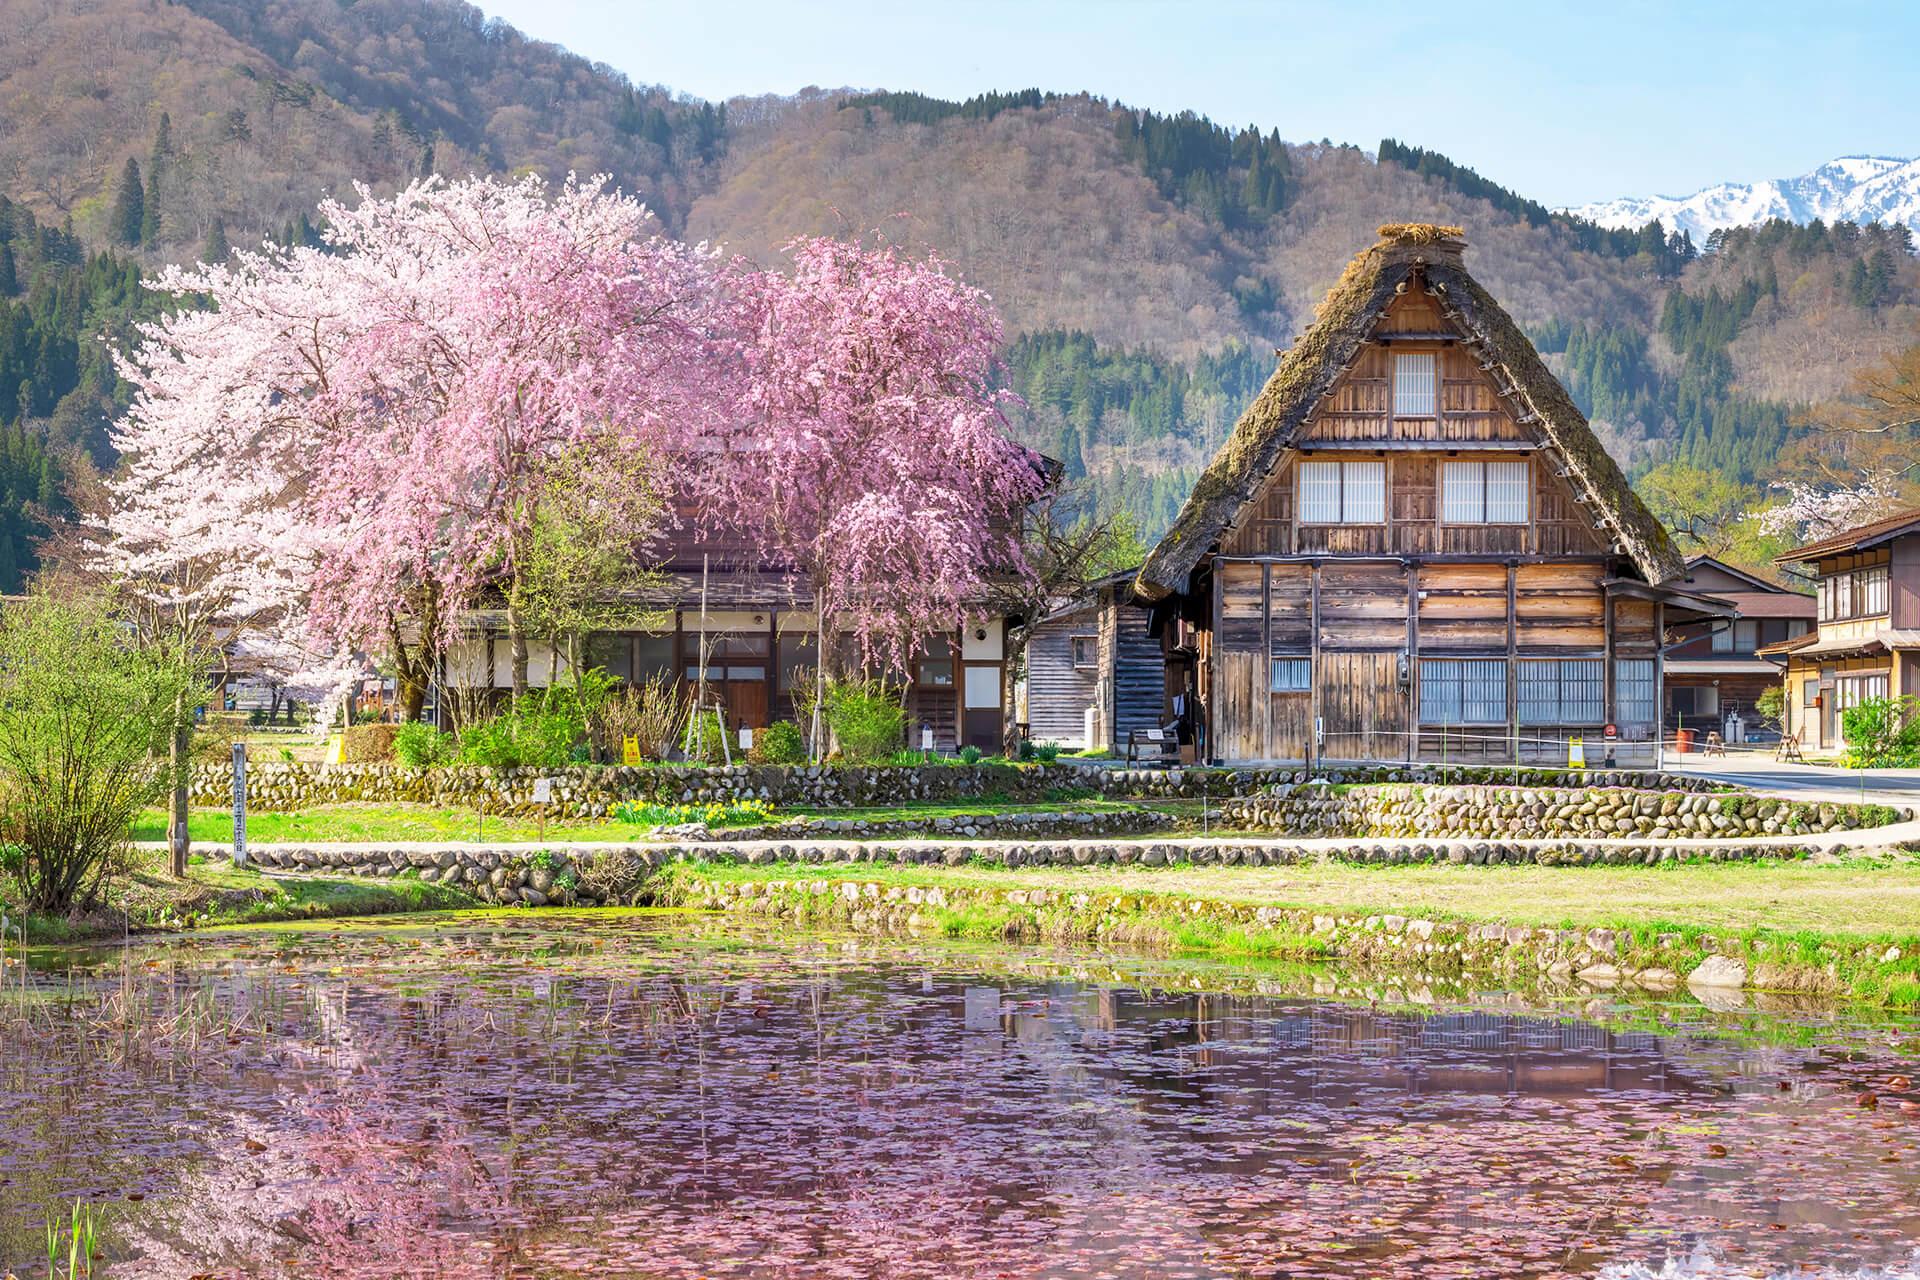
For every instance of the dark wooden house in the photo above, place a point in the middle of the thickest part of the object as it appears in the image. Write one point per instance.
(1714, 674)
(1095, 673)
(1866, 641)
(1413, 546)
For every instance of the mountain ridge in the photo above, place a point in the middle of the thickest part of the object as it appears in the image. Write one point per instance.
(1852, 188)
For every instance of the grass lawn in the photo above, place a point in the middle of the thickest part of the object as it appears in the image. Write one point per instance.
(1849, 898)
(375, 822)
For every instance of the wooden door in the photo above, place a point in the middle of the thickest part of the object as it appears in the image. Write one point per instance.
(1363, 710)
(746, 703)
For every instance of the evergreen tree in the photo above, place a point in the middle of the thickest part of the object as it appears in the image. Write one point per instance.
(215, 249)
(9, 272)
(150, 211)
(129, 205)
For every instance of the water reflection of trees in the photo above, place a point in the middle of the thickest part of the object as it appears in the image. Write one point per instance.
(815, 1112)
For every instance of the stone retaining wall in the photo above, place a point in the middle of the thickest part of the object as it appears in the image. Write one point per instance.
(593, 791)
(1715, 970)
(599, 874)
(1017, 825)
(1406, 810)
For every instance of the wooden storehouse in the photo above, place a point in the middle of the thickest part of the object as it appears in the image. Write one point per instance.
(1095, 673)
(1413, 546)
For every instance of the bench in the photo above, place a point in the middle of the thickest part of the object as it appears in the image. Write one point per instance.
(1162, 745)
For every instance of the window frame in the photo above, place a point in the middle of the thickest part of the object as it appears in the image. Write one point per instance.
(1483, 471)
(1073, 652)
(1296, 664)
(1432, 359)
(1635, 674)
(1341, 467)
(1579, 691)
(1438, 672)
(923, 660)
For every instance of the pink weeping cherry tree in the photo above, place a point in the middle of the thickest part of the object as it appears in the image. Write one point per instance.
(871, 454)
(320, 435)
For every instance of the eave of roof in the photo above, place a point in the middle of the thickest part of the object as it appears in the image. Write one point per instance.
(1856, 539)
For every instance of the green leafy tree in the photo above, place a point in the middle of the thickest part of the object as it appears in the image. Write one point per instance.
(1704, 510)
(129, 205)
(578, 569)
(84, 723)
(1882, 733)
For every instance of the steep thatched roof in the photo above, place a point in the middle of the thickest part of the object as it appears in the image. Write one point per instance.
(1309, 370)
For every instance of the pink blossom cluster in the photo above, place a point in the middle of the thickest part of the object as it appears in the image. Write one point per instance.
(318, 431)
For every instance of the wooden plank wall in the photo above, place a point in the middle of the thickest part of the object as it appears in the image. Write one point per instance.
(1057, 694)
(1139, 670)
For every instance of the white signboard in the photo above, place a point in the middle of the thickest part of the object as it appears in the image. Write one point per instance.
(543, 791)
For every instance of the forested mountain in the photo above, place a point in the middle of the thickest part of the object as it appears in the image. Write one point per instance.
(1147, 264)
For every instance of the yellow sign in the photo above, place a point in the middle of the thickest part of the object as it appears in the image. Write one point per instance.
(1576, 753)
(336, 749)
(630, 750)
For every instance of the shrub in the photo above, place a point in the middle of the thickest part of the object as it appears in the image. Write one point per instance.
(84, 724)
(539, 730)
(1772, 706)
(367, 743)
(420, 745)
(650, 713)
(779, 743)
(866, 719)
(1882, 733)
(969, 754)
(1044, 752)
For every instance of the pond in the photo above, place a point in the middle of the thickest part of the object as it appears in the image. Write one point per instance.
(665, 1095)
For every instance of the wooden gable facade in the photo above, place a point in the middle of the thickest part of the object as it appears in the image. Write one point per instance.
(1406, 563)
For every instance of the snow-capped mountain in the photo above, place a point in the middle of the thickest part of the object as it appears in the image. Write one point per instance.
(1852, 188)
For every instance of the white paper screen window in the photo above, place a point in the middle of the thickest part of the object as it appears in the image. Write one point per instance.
(1463, 494)
(1506, 493)
(1413, 392)
(1364, 499)
(1320, 493)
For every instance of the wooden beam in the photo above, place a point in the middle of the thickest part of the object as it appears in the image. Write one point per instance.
(1417, 446)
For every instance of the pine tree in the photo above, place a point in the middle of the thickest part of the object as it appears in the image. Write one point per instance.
(9, 273)
(129, 205)
(216, 248)
(150, 211)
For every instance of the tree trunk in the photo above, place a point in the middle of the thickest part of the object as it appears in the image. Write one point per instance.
(178, 843)
(517, 637)
(1010, 710)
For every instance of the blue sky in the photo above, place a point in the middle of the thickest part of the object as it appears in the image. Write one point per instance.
(1565, 103)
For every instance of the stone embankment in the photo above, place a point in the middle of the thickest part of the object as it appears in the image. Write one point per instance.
(1019, 824)
(1491, 811)
(505, 873)
(595, 791)
(1417, 949)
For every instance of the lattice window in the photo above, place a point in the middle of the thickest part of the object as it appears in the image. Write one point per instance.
(1463, 691)
(1633, 690)
(1291, 675)
(1343, 492)
(1413, 385)
(1484, 492)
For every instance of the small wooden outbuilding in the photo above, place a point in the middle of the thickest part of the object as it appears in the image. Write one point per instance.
(1095, 671)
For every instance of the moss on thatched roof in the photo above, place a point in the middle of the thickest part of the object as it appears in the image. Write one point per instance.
(1311, 367)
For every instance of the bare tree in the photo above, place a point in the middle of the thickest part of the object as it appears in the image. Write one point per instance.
(1068, 546)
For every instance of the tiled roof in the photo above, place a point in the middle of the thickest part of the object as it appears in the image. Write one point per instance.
(1878, 530)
